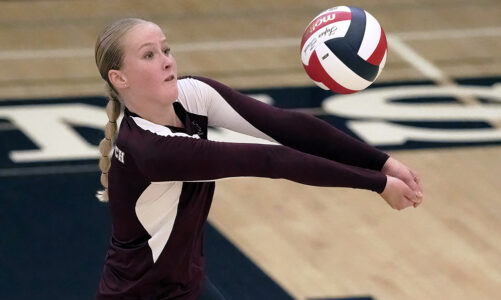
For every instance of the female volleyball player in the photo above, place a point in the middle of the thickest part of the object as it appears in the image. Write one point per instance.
(161, 180)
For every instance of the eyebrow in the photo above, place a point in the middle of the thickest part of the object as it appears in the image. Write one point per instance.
(147, 44)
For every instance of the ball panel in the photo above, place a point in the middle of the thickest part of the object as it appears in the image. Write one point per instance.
(335, 30)
(318, 74)
(338, 71)
(350, 58)
(340, 8)
(356, 31)
(380, 50)
(372, 35)
(381, 65)
(322, 21)
(321, 85)
(329, 10)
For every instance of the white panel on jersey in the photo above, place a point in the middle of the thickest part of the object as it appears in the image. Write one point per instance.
(339, 71)
(372, 35)
(191, 96)
(160, 129)
(221, 114)
(156, 209)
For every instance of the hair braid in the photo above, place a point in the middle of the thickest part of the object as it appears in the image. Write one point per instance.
(108, 53)
(113, 109)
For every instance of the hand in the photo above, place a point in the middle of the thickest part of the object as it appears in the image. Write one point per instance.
(398, 194)
(394, 168)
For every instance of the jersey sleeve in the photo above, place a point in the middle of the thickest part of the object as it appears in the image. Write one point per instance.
(161, 155)
(233, 110)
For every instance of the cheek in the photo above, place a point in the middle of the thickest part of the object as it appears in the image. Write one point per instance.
(143, 75)
(137, 72)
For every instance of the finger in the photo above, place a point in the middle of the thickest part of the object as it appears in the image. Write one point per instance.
(411, 196)
(406, 203)
(411, 201)
(416, 189)
(417, 180)
(418, 204)
(410, 178)
(419, 196)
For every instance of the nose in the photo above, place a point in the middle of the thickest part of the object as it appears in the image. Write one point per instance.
(167, 61)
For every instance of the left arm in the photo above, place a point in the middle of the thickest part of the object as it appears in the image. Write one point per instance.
(233, 110)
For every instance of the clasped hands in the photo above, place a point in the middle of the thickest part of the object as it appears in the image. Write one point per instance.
(403, 187)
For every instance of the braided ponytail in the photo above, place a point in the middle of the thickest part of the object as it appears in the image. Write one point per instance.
(113, 109)
(109, 53)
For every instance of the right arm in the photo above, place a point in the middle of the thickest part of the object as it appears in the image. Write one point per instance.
(184, 158)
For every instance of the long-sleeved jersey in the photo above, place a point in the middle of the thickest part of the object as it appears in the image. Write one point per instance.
(161, 181)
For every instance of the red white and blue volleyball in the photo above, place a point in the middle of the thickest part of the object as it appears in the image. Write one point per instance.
(344, 49)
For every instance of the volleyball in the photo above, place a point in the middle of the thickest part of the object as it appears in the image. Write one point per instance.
(344, 49)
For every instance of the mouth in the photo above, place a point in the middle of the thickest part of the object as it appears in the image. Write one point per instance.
(170, 78)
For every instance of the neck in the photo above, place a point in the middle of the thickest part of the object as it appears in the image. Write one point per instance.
(162, 114)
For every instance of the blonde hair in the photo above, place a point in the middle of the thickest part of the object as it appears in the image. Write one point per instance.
(109, 53)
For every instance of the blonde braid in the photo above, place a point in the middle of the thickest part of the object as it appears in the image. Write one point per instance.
(108, 53)
(113, 109)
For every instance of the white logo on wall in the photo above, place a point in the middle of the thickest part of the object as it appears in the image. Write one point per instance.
(49, 127)
(369, 114)
(373, 110)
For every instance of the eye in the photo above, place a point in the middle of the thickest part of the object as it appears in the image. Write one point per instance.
(148, 55)
(167, 51)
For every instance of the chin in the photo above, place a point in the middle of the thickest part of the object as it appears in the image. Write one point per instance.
(170, 97)
(172, 90)
(171, 94)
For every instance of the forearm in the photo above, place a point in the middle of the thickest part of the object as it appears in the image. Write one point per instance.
(317, 137)
(315, 170)
(199, 160)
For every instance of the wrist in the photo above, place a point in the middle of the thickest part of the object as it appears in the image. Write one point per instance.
(387, 165)
(383, 186)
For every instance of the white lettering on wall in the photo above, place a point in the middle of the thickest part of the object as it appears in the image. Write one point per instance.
(49, 127)
(373, 107)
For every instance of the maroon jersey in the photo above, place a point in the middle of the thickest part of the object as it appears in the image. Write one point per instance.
(161, 181)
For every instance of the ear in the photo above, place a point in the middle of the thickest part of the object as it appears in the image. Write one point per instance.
(118, 79)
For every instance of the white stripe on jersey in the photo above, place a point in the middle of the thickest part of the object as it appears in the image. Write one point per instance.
(200, 98)
(159, 129)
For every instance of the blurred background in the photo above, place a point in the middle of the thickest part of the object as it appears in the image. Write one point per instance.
(436, 107)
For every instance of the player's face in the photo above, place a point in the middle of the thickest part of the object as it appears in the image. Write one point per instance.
(148, 66)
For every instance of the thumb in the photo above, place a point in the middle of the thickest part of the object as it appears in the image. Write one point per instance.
(410, 194)
(412, 184)
(417, 181)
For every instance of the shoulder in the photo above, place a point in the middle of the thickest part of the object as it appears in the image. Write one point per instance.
(193, 95)
(193, 87)
(198, 93)
(146, 143)
(200, 84)
(138, 134)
